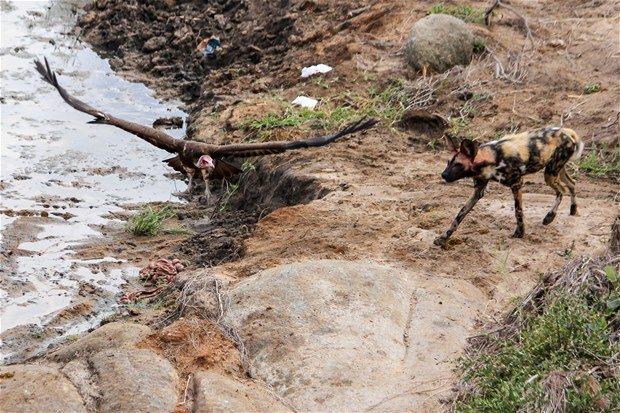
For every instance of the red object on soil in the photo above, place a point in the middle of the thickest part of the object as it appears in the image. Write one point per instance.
(162, 268)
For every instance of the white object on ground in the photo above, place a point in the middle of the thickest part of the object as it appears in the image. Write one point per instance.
(313, 70)
(305, 102)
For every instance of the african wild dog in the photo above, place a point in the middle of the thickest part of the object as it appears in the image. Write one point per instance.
(506, 161)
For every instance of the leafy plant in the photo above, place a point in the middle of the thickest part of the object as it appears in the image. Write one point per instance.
(554, 350)
(591, 88)
(460, 127)
(149, 221)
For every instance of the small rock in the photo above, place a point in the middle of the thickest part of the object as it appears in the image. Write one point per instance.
(154, 43)
(221, 20)
(119, 334)
(555, 42)
(174, 122)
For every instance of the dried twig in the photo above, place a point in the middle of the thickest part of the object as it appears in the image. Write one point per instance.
(189, 379)
(613, 122)
(489, 10)
(568, 113)
(514, 71)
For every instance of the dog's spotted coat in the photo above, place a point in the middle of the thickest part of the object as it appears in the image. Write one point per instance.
(507, 160)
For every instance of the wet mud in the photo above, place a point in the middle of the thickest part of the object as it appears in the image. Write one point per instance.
(61, 179)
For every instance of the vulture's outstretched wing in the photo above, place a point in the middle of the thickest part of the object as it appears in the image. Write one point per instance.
(244, 150)
(50, 77)
(151, 135)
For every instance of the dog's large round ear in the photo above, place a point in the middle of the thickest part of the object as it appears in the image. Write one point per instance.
(450, 143)
(469, 148)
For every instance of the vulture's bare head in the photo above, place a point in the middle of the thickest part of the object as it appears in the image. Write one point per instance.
(205, 163)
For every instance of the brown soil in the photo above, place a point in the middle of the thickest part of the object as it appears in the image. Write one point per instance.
(379, 196)
(195, 344)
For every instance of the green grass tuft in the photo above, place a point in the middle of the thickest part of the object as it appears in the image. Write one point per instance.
(180, 230)
(464, 12)
(149, 221)
(290, 118)
(591, 88)
(601, 162)
(387, 102)
(229, 191)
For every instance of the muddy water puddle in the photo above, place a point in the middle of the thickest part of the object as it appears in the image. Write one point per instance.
(60, 177)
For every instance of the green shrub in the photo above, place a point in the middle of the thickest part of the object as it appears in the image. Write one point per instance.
(558, 349)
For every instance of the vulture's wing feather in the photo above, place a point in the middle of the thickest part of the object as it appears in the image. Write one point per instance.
(244, 150)
(151, 135)
(175, 163)
(224, 169)
(50, 77)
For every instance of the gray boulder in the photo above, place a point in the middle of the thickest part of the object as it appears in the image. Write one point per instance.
(112, 335)
(439, 42)
(217, 393)
(327, 335)
(135, 380)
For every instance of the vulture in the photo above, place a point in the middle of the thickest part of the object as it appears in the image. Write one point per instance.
(196, 159)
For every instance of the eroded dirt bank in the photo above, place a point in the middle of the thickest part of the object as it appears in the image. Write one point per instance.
(322, 289)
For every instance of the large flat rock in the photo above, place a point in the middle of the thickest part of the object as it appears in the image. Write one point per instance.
(215, 393)
(326, 335)
(34, 388)
(135, 380)
(112, 335)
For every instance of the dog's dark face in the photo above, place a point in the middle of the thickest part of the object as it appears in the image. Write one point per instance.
(462, 163)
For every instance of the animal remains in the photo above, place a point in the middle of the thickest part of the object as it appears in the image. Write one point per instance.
(196, 159)
(506, 161)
